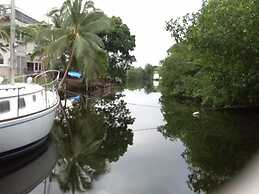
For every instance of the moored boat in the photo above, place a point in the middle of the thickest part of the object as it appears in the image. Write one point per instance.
(27, 112)
(28, 104)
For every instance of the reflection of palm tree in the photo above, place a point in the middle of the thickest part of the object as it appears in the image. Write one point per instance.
(87, 134)
(89, 139)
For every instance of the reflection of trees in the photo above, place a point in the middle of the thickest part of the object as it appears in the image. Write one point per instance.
(218, 144)
(89, 138)
(137, 85)
(118, 135)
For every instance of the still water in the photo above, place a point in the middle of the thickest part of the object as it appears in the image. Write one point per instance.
(138, 143)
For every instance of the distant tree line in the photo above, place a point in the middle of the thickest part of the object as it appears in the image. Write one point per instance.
(141, 78)
(216, 55)
(141, 74)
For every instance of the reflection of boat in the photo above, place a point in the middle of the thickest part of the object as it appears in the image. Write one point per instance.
(23, 174)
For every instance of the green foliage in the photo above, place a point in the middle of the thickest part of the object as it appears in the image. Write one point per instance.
(140, 74)
(119, 43)
(74, 37)
(216, 55)
(138, 78)
(135, 74)
(218, 144)
(85, 37)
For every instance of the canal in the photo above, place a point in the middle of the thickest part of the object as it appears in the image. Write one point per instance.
(138, 142)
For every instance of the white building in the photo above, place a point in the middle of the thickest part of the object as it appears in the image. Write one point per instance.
(24, 63)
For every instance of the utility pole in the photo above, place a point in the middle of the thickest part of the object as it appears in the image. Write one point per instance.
(12, 42)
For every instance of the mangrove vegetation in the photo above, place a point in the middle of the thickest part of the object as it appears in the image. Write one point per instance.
(215, 58)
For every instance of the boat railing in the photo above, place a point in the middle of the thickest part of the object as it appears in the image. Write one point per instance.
(48, 80)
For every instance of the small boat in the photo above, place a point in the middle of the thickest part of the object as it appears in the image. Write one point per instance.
(27, 112)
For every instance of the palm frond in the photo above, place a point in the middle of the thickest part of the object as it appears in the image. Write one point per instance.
(96, 22)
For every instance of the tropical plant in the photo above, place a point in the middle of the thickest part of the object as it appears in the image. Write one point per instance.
(77, 24)
(119, 42)
(41, 35)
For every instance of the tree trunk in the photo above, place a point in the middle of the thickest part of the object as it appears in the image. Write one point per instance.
(86, 86)
(67, 69)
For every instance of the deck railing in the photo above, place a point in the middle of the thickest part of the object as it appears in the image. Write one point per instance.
(48, 80)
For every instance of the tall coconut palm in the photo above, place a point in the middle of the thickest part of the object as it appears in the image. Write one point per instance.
(73, 37)
(77, 24)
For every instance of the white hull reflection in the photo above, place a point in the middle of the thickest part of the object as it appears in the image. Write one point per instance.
(23, 174)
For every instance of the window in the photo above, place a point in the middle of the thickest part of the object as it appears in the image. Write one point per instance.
(30, 67)
(4, 106)
(1, 59)
(40, 66)
(34, 98)
(21, 103)
(36, 67)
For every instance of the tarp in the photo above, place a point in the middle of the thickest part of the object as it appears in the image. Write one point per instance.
(75, 98)
(74, 74)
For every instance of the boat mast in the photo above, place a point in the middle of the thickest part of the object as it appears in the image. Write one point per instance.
(12, 42)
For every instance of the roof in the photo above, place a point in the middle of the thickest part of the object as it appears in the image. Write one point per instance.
(22, 17)
(5, 12)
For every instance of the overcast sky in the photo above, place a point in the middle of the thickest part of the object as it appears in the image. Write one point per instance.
(145, 18)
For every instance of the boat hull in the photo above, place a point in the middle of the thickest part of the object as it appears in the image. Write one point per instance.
(22, 131)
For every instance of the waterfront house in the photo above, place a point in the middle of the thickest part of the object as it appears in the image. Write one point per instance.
(24, 64)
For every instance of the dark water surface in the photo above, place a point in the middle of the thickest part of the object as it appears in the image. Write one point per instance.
(141, 143)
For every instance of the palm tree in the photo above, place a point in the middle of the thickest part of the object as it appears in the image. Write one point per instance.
(41, 36)
(77, 24)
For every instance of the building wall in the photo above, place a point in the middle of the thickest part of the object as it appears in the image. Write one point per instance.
(4, 72)
(22, 49)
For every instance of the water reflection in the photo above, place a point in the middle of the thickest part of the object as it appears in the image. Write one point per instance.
(93, 137)
(22, 174)
(218, 144)
(90, 136)
(148, 86)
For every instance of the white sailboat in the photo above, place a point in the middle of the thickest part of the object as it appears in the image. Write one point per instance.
(27, 109)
